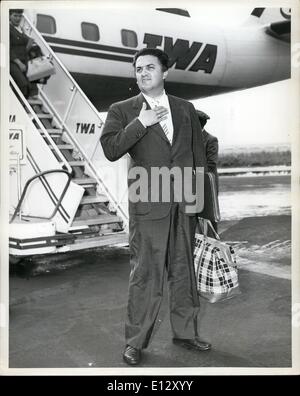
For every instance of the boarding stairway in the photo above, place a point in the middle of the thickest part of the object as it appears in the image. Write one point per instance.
(62, 130)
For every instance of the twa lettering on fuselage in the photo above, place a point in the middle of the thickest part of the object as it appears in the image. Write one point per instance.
(182, 54)
(85, 128)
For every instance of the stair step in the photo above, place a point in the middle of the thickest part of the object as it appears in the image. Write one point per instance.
(76, 163)
(54, 131)
(85, 181)
(94, 242)
(35, 101)
(64, 147)
(101, 219)
(90, 200)
(44, 115)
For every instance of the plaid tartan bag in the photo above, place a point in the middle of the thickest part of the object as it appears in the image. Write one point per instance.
(215, 266)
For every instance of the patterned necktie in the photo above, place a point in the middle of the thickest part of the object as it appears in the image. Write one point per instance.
(164, 126)
(166, 131)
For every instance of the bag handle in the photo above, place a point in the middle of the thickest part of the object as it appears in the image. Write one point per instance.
(204, 223)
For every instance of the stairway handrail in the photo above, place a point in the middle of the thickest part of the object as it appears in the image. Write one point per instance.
(63, 67)
(40, 124)
(98, 177)
(90, 164)
(39, 175)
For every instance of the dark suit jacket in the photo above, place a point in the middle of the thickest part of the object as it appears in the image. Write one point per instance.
(148, 147)
(17, 45)
(211, 145)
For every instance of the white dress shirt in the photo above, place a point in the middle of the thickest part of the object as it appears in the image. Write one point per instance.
(167, 123)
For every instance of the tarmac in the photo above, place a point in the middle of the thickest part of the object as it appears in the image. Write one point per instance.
(68, 310)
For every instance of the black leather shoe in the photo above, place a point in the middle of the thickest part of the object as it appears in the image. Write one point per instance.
(194, 344)
(131, 355)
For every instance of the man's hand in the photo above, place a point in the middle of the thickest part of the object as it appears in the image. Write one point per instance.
(21, 65)
(29, 44)
(151, 117)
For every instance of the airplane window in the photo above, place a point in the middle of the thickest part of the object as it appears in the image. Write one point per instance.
(45, 24)
(90, 31)
(129, 38)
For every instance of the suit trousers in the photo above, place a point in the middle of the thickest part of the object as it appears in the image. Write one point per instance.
(160, 247)
(27, 88)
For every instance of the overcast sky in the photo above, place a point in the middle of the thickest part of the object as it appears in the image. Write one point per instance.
(253, 116)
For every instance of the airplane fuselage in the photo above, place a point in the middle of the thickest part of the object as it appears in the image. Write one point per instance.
(98, 48)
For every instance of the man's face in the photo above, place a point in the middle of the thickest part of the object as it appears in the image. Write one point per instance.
(149, 74)
(15, 19)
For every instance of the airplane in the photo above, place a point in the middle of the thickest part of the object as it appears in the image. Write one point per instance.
(98, 48)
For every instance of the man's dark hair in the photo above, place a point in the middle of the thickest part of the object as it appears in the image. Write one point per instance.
(159, 54)
(203, 117)
(202, 122)
(16, 11)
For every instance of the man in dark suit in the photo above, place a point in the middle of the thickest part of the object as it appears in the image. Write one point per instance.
(20, 45)
(211, 145)
(158, 131)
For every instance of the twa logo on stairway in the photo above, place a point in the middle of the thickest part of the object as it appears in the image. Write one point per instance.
(85, 128)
